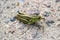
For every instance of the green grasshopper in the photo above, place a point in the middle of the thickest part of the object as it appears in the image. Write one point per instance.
(28, 19)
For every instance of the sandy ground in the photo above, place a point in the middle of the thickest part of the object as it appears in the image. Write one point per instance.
(11, 29)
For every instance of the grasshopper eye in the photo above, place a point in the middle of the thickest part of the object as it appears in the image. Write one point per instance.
(19, 13)
(39, 17)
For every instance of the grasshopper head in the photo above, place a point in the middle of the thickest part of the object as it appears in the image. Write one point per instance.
(39, 18)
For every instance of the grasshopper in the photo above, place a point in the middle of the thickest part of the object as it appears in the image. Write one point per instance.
(28, 19)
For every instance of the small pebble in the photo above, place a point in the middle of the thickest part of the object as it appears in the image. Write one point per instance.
(49, 22)
(57, 0)
(49, 6)
(17, 11)
(46, 14)
(6, 21)
(8, 7)
(12, 19)
(11, 32)
(59, 19)
(37, 13)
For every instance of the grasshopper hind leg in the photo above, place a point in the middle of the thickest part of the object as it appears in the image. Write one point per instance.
(35, 24)
(39, 27)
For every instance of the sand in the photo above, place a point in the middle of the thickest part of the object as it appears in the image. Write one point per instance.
(12, 29)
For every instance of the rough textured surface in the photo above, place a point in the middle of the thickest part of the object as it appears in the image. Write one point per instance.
(11, 29)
